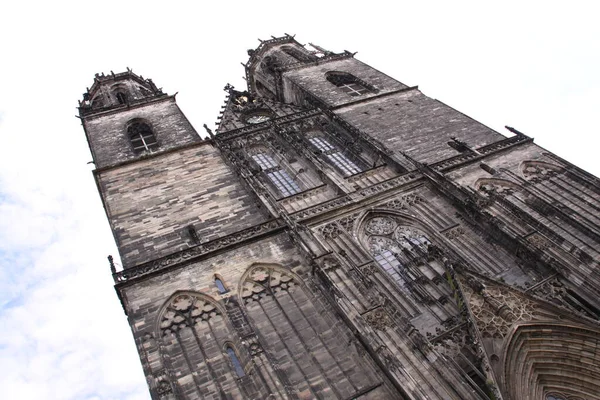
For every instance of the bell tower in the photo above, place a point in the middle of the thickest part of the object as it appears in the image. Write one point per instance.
(126, 117)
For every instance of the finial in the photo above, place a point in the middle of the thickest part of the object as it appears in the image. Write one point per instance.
(112, 73)
(513, 130)
(228, 88)
(111, 262)
(210, 133)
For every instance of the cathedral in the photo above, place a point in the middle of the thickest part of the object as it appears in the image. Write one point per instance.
(340, 235)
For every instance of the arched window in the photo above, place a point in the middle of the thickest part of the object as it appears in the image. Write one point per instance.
(284, 183)
(121, 97)
(220, 285)
(141, 137)
(348, 83)
(235, 361)
(335, 156)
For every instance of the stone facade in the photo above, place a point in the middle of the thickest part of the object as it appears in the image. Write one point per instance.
(341, 235)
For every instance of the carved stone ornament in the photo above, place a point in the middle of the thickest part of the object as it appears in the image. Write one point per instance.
(331, 231)
(378, 319)
(380, 226)
(496, 309)
(186, 310)
(536, 171)
(453, 233)
(266, 281)
(497, 187)
(539, 241)
(348, 222)
(254, 347)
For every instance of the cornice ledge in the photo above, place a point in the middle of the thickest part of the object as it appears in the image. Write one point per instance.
(186, 256)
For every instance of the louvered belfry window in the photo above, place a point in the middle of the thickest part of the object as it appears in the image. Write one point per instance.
(141, 137)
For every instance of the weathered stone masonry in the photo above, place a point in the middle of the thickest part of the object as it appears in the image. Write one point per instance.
(341, 235)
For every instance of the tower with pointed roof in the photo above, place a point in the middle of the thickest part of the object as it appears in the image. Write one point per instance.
(342, 235)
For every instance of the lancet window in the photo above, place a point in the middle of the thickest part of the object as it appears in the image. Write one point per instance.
(335, 156)
(235, 362)
(220, 285)
(285, 184)
(141, 137)
(348, 83)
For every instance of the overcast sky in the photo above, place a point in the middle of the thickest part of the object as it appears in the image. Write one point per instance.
(63, 334)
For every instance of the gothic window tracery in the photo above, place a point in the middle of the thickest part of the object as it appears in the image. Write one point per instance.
(141, 137)
(335, 156)
(195, 337)
(348, 83)
(285, 184)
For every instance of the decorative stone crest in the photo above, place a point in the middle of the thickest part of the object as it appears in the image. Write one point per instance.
(186, 310)
(380, 226)
(378, 319)
(496, 309)
(266, 281)
(497, 187)
(454, 232)
(331, 231)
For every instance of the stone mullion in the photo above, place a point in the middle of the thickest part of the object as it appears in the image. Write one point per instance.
(289, 352)
(553, 188)
(246, 329)
(348, 289)
(214, 378)
(187, 361)
(212, 332)
(398, 295)
(541, 192)
(166, 361)
(575, 191)
(469, 250)
(260, 365)
(566, 235)
(575, 223)
(318, 336)
(396, 342)
(425, 212)
(304, 345)
(352, 247)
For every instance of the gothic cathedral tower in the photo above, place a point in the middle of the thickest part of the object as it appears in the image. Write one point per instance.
(343, 236)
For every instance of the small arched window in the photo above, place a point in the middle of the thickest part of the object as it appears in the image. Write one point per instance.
(348, 83)
(141, 137)
(235, 361)
(121, 97)
(220, 285)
